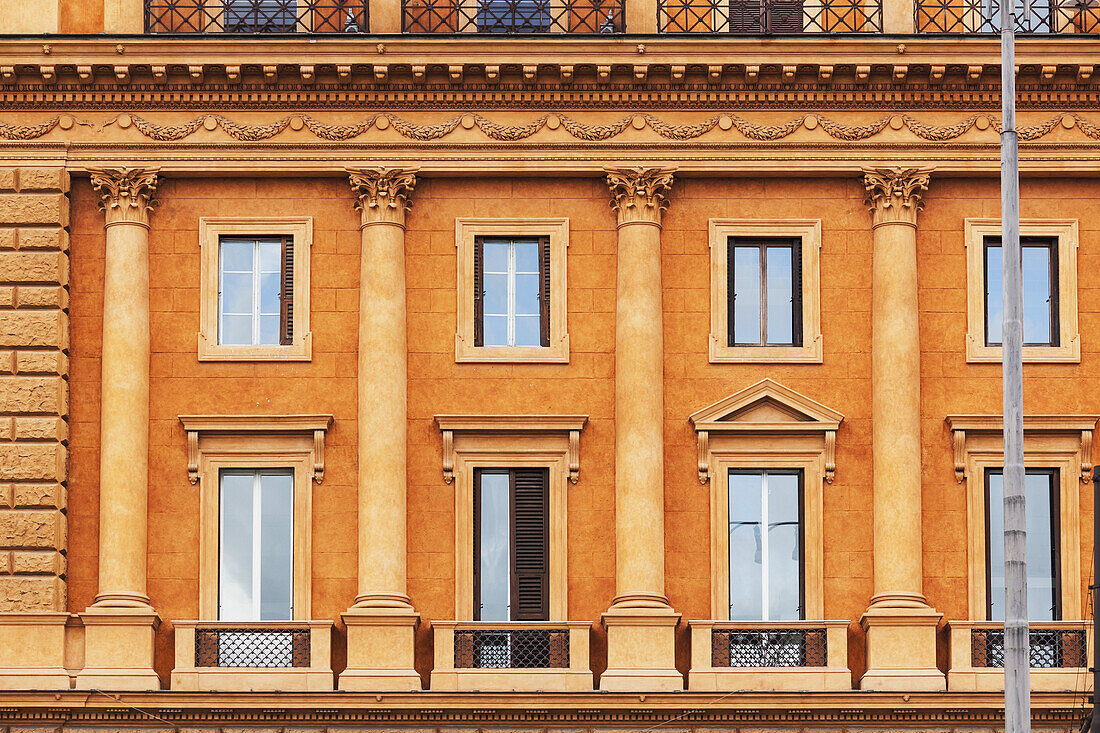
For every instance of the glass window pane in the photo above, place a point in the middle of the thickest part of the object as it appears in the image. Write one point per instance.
(269, 330)
(994, 295)
(784, 555)
(495, 556)
(496, 331)
(746, 295)
(528, 331)
(235, 600)
(527, 295)
(276, 546)
(236, 330)
(780, 308)
(527, 256)
(746, 547)
(1037, 300)
(236, 293)
(1041, 555)
(271, 255)
(496, 295)
(236, 255)
(496, 257)
(269, 293)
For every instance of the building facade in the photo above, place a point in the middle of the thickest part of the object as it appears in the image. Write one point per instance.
(533, 365)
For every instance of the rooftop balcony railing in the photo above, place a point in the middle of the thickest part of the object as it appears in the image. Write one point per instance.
(984, 16)
(1060, 652)
(256, 16)
(769, 16)
(512, 16)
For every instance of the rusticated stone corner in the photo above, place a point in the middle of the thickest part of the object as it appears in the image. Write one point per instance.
(34, 399)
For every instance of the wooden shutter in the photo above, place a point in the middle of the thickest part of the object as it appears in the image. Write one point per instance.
(530, 537)
(544, 289)
(796, 292)
(729, 292)
(477, 544)
(479, 291)
(286, 293)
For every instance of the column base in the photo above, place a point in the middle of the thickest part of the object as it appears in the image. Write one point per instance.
(118, 649)
(641, 650)
(381, 650)
(901, 649)
(32, 651)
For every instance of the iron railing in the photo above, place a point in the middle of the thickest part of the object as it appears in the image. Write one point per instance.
(769, 16)
(779, 647)
(984, 16)
(256, 16)
(1050, 648)
(512, 16)
(512, 649)
(252, 647)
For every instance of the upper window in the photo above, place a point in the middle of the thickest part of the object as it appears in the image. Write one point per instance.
(1040, 286)
(765, 545)
(256, 545)
(765, 291)
(1043, 582)
(1048, 251)
(511, 290)
(255, 289)
(511, 544)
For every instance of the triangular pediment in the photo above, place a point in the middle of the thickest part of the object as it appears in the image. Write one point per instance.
(766, 404)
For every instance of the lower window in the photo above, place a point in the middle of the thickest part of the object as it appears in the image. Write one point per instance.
(255, 548)
(1043, 581)
(765, 545)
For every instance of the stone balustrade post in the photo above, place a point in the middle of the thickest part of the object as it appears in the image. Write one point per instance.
(382, 623)
(640, 623)
(900, 625)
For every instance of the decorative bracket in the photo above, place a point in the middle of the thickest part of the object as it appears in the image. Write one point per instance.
(202, 427)
(830, 456)
(962, 426)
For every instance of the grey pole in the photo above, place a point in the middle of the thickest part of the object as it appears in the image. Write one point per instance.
(1017, 666)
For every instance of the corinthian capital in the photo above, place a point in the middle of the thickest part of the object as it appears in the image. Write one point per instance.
(894, 194)
(639, 194)
(383, 193)
(126, 194)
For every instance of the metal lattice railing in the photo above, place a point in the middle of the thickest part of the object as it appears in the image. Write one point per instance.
(984, 16)
(256, 16)
(791, 647)
(1049, 648)
(512, 16)
(769, 16)
(512, 649)
(252, 647)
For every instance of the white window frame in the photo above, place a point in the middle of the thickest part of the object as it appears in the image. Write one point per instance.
(510, 296)
(257, 274)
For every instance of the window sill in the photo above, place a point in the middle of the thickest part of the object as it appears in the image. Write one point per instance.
(811, 353)
(300, 350)
(557, 353)
(1069, 353)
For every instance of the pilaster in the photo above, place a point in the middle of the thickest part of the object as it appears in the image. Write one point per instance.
(381, 624)
(901, 627)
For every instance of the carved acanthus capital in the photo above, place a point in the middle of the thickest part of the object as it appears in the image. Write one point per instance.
(639, 194)
(126, 194)
(383, 194)
(894, 194)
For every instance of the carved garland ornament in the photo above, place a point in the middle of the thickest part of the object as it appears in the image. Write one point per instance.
(591, 133)
(126, 194)
(383, 194)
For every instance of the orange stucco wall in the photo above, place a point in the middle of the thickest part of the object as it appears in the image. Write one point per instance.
(80, 16)
(180, 385)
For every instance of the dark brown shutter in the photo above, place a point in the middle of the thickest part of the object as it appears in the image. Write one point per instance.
(796, 292)
(729, 291)
(479, 291)
(477, 544)
(286, 294)
(530, 530)
(544, 288)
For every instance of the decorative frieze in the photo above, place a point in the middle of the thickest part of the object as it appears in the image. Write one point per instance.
(639, 194)
(894, 194)
(383, 194)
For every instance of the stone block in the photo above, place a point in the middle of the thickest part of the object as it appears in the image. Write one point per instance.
(39, 296)
(7, 296)
(33, 394)
(37, 562)
(28, 528)
(41, 428)
(8, 178)
(36, 495)
(34, 328)
(32, 462)
(8, 238)
(7, 362)
(43, 179)
(43, 238)
(34, 267)
(30, 593)
(34, 208)
(35, 362)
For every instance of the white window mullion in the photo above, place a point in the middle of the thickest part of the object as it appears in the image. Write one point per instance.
(512, 293)
(764, 546)
(257, 513)
(255, 292)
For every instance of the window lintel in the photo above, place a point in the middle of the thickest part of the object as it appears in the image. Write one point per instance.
(313, 427)
(963, 425)
(565, 425)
